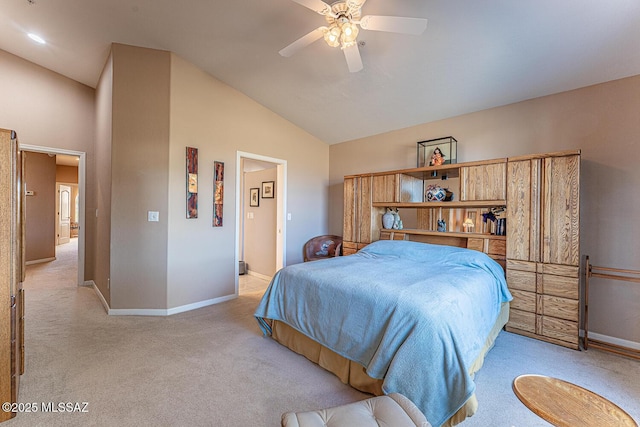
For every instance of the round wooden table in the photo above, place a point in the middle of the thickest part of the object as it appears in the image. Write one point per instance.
(567, 405)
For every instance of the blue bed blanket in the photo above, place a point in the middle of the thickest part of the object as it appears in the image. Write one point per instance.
(413, 314)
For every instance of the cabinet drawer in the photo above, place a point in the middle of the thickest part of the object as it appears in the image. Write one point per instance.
(349, 248)
(497, 247)
(560, 286)
(522, 320)
(523, 280)
(521, 265)
(523, 300)
(559, 270)
(560, 329)
(385, 235)
(562, 308)
(475, 244)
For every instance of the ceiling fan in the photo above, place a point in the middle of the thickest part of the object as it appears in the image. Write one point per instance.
(343, 18)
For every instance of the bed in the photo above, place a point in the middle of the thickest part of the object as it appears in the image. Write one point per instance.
(398, 316)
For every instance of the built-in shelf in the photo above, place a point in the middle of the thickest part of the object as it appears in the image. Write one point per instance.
(448, 234)
(452, 205)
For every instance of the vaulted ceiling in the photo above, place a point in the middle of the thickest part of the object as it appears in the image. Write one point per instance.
(474, 54)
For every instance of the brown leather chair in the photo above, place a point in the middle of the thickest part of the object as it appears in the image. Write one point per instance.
(321, 247)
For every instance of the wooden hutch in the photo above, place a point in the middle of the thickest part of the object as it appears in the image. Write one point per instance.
(540, 197)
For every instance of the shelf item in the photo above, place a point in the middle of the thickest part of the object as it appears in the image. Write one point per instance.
(436, 152)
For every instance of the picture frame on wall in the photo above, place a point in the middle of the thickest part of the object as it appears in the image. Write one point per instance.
(254, 197)
(218, 193)
(192, 182)
(268, 189)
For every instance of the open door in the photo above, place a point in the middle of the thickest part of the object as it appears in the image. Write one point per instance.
(64, 214)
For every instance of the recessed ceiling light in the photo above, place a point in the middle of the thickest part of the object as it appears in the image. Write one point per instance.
(36, 38)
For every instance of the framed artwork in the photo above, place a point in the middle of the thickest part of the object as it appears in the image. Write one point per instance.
(218, 192)
(268, 189)
(192, 182)
(254, 197)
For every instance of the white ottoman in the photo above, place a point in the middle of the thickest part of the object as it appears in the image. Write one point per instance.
(393, 410)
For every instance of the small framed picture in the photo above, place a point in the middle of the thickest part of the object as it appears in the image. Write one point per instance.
(254, 197)
(268, 189)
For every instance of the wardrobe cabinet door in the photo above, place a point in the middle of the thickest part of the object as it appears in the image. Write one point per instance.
(483, 182)
(561, 211)
(350, 210)
(523, 208)
(384, 188)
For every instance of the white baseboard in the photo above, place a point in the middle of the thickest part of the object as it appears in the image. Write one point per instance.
(170, 311)
(615, 341)
(155, 311)
(260, 276)
(100, 296)
(39, 261)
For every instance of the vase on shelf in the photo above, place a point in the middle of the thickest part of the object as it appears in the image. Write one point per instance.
(435, 193)
(388, 219)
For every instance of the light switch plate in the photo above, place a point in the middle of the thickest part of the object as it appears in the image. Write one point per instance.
(153, 216)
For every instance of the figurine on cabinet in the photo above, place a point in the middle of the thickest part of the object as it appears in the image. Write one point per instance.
(437, 158)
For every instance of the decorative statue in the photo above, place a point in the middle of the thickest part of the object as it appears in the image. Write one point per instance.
(437, 158)
(397, 222)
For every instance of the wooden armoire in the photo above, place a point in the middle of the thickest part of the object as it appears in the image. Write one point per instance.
(543, 250)
(11, 270)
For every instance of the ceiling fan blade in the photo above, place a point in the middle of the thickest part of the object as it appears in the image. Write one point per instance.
(317, 6)
(394, 24)
(303, 41)
(354, 60)
(354, 5)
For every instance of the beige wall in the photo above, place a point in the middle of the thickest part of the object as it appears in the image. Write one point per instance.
(139, 177)
(260, 230)
(100, 215)
(67, 174)
(220, 121)
(49, 110)
(40, 213)
(601, 120)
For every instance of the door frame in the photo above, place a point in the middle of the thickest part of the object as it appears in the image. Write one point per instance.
(281, 207)
(82, 179)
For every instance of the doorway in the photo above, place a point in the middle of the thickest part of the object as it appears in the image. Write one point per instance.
(80, 226)
(63, 210)
(277, 245)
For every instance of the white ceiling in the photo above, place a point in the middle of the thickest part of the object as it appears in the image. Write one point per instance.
(475, 54)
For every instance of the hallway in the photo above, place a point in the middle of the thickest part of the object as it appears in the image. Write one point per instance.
(61, 273)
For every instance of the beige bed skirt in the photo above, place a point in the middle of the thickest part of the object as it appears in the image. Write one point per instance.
(354, 374)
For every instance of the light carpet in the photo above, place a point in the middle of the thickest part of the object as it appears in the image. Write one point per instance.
(212, 367)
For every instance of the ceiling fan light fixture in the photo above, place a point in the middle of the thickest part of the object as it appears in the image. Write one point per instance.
(349, 32)
(332, 35)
